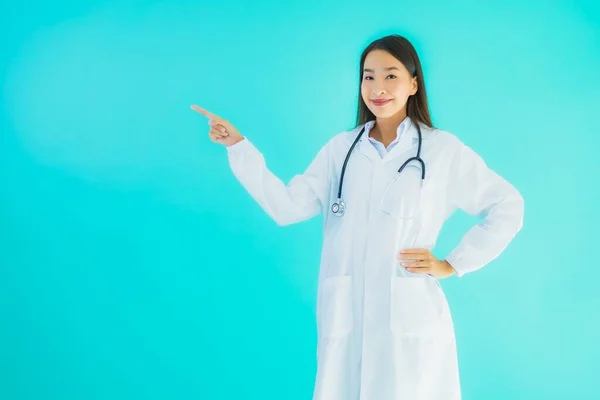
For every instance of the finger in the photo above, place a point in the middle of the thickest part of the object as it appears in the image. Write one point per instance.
(415, 251)
(219, 128)
(419, 270)
(226, 124)
(417, 264)
(218, 133)
(204, 112)
(418, 254)
(216, 139)
(417, 257)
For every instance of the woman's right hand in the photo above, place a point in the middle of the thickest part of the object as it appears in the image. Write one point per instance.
(221, 131)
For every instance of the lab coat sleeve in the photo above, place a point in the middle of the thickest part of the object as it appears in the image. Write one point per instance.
(480, 191)
(300, 199)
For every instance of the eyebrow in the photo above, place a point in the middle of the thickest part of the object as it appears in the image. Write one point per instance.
(387, 69)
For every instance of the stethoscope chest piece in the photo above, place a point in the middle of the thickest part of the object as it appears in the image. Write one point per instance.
(338, 208)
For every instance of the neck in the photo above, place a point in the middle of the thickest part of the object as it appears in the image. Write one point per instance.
(386, 129)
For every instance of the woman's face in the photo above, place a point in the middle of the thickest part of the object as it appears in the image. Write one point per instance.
(386, 78)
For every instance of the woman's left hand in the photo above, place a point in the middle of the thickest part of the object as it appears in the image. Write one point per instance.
(423, 262)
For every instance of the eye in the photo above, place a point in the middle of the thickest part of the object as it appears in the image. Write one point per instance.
(370, 77)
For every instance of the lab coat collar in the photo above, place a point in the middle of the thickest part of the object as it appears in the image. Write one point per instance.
(399, 131)
(407, 140)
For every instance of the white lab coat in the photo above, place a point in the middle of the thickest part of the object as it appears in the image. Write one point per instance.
(385, 333)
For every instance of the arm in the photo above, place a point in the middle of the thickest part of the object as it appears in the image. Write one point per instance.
(479, 191)
(300, 199)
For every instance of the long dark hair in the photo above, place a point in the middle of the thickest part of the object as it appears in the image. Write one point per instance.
(399, 47)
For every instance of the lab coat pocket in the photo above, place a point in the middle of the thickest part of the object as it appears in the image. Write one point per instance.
(335, 318)
(415, 306)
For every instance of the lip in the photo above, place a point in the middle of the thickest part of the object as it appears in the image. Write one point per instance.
(380, 102)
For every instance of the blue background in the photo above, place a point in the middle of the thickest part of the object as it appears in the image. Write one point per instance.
(133, 264)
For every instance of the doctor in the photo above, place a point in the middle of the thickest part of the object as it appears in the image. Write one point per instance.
(384, 327)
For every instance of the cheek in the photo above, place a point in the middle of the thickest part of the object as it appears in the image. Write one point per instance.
(365, 93)
(401, 94)
(364, 90)
(401, 90)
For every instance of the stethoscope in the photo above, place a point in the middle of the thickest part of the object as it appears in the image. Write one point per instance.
(339, 207)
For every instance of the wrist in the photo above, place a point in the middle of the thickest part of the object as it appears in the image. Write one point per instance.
(236, 142)
(449, 268)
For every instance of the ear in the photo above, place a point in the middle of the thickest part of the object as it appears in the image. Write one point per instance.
(414, 86)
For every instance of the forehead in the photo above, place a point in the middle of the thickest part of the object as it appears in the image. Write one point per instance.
(378, 59)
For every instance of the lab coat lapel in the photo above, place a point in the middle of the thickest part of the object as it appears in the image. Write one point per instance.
(407, 143)
(365, 147)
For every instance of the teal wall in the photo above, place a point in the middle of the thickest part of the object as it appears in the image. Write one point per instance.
(134, 266)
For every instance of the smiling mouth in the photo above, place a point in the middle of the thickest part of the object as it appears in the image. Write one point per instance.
(380, 102)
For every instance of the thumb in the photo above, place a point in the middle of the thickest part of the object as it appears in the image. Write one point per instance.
(227, 125)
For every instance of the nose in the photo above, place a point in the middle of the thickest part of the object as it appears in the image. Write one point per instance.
(378, 92)
(378, 88)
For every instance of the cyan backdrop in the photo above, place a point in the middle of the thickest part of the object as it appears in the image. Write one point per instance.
(134, 266)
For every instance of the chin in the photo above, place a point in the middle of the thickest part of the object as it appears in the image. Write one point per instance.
(384, 113)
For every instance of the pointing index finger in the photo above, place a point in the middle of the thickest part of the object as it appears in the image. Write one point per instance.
(204, 112)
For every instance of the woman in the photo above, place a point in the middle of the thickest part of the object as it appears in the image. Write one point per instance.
(385, 331)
